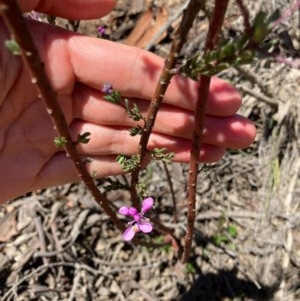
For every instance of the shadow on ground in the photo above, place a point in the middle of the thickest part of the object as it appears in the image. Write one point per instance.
(225, 285)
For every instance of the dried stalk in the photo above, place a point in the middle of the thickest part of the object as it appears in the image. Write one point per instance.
(212, 40)
(189, 14)
(15, 22)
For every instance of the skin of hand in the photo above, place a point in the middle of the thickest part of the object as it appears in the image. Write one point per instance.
(78, 67)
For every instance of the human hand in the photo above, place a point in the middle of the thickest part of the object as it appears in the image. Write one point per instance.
(77, 67)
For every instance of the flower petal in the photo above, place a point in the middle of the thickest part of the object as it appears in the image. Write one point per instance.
(107, 88)
(101, 30)
(129, 233)
(145, 227)
(124, 210)
(147, 204)
(137, 217)
(132, 211)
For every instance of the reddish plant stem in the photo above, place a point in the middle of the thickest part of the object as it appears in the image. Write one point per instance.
(295, 63)
(189, 14)
(169, 236)
(15, 22)
(246, 17)
(212, 40)
(169, 179)
(295, 6)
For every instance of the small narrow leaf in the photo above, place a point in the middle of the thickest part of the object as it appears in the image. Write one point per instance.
(114, 97)
(84, 138)
(137, 130)
(13, 46)
(60, 141)
(232, 230)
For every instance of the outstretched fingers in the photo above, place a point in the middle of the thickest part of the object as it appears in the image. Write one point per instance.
(232, 131)
(108, 140)
(100, 166)
(71, 59)
(59, 170)
(135, 73)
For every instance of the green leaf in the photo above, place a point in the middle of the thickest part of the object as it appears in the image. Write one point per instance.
(242, 42)
(222, 66)
(232, 230)
(84, 138)
(134, 113)
(114, 184)
(190, 269)
(162, 154)
(128, 163)
(114, 97)
(227, 51)
(137, 130)
(88, 160)
(13, 46)
(274, 16)
(220, 238)
(60, 141)
(51, 19)
(211, 56)
(260, 26)
(126, 101)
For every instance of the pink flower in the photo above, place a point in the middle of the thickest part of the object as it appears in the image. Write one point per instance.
(107, 88)
(139, 223)
(34, 16)
(101, 31)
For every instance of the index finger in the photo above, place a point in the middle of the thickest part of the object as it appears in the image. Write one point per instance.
(135, 73)
(71, 58)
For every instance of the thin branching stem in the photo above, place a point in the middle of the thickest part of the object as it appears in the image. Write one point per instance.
(15, 22)
(294, 63)
(189, 14)
(169, 179)
(290, 10)
(246, 17)
(212, 40)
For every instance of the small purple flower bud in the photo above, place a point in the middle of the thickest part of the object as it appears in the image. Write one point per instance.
(34, 16)
(132, 211)
(101, 30)
(107, 88)
(124, 210)
(147, 204)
